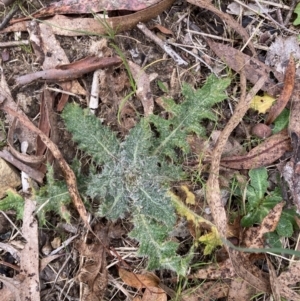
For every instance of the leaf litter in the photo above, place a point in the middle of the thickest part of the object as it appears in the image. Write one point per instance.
(241, 270)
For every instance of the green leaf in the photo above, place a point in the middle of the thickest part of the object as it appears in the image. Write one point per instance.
(281, 121)
(161, 253)
(258, 184)
(13, 201)
(185, 118)
(162, 86)
(92, 137)
(52, 197)
(273, 240)
(284, 227)
(297, 11)
(259, 203)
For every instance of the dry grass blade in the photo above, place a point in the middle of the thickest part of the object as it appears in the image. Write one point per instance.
(289, 82)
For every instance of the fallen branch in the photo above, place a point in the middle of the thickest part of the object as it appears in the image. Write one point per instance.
(70, 71)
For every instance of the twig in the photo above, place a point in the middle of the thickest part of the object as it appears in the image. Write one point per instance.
(291, 10)
(94, 99)
(8, 17)
(7, 2)
(213, 188)
(164, 46)
(14, 43)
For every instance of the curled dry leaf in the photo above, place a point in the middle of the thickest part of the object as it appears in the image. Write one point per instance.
(139, 280)
(249, 272)
(289, 82)
(63, 25)
(88, 7)
(264, 154)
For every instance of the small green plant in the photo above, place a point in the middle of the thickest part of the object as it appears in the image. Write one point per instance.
(297, 11)
(281, 121)
(185, 117)
(13, 201)
(130, 178)
(260, 201)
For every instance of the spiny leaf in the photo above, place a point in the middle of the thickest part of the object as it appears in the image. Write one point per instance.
(161, 253)
(185, 117)
(92, 137)
(132, 181)
(13, 201)
(52, 197)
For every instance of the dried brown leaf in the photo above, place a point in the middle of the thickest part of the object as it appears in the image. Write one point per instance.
(290, 277)
(89, 6)
(254, 69)
(163, 29)
(221, 270)
(90, 26)
(154, 294)
(240, 290)
(246, 270)
(92, 272)
(46, 260)
(264, 154)
(289, 82)
(139, 280)
(207, 291)
(254, 236)
(31, 172)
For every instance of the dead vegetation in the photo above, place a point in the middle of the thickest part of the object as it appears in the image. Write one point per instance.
(195, 111)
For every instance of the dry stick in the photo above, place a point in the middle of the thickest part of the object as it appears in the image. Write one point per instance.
(164, 46)
(68, 172)
(8, 17)
(14, 43)
(291, 10)
(213, 188)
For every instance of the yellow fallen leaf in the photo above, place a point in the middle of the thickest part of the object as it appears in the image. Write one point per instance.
(212, 238)
(190, 197)
(262, 103)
